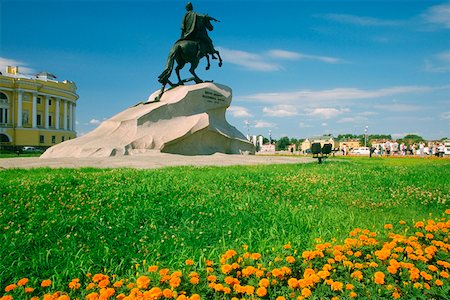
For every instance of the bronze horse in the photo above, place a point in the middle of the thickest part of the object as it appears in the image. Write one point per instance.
(189, 51)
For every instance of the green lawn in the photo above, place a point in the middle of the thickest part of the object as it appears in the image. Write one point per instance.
(63, 223)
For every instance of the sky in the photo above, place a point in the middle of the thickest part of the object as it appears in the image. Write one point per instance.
(296, 68)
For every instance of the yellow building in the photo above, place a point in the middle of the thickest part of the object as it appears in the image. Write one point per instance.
(35, 110)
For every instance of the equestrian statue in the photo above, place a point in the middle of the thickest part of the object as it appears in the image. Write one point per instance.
(193, 45)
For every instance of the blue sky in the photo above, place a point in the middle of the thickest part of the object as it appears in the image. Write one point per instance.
(297, 68)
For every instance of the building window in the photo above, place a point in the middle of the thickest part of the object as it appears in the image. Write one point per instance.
(62, 139)
(26, 117)
(50, 102)
(53, 139)
(38, 100)
(38, 120)
(41, 139)
(4, 138)
(50, 121)
(3, 115)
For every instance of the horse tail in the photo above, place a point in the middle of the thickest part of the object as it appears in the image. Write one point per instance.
(165, 75)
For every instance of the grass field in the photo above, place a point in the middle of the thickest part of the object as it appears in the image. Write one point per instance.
(62, 224)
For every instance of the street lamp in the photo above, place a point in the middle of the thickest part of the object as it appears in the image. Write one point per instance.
(365, 135)
(247, 122)
(270, 137)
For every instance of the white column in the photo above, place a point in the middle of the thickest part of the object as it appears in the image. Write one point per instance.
(70, 116)
(74, 122)
(65, 115)
(57, 113)
(19, 109)
(46, 99)
(34, 112)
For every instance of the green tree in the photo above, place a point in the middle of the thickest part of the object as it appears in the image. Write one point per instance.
(411, 139)
(282, 143)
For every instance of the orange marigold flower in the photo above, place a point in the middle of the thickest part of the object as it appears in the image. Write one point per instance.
(287, 246)
(226, 268)
(22, 282)
(293, 283)
(444, 274)
(337, 286)
(419, 224)
(46, 283)
(209, 263)
(396, 295)
(118, 284)
(280, 298)
(290, 259)
(353, 295)
(439, 282)
(432, 268)
(175, 282)
(10, 287)
(388, 226)
(104, 283)
(194, 280)
(189, 262)
(255, 256)
(261, 291)
(212, 278)
(379, 277)
(447, 211)
(168, 293)
(264, 282)
(6, 297)
(349, 286)
(195, 297)
(64, 297)
(306, 292)
(74, 284)
(357, 275)
(94, 296)
(392, 269)
(153, 269)
(29, 290)
(143, 282)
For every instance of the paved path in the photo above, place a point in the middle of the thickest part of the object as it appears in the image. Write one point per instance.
(150, 160)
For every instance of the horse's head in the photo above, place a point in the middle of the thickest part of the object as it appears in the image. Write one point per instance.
(205, 22)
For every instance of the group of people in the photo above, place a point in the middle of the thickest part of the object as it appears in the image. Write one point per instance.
(394, 148)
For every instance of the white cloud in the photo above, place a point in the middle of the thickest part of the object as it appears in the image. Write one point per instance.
(280, 111)
(332, 95)
(303, 125)
(248, 60)
(360, 21)
(399, 107)
(283, 54)
(23, 68)
(438, 15)
(446, 115)
(439, 63)
(264, 124)
(239, 112)
(326, 113)
(94, 122)
(324, 124)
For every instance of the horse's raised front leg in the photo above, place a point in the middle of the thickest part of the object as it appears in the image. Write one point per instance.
(208, 65)
(220, 58)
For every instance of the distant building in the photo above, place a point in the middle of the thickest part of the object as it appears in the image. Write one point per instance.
(324, 139)
(267, 148)
(36, 110)
(350, 143)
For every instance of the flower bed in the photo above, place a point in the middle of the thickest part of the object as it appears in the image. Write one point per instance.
(403, 261)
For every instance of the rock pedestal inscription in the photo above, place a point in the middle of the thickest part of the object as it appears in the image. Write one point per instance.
(187, 120)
